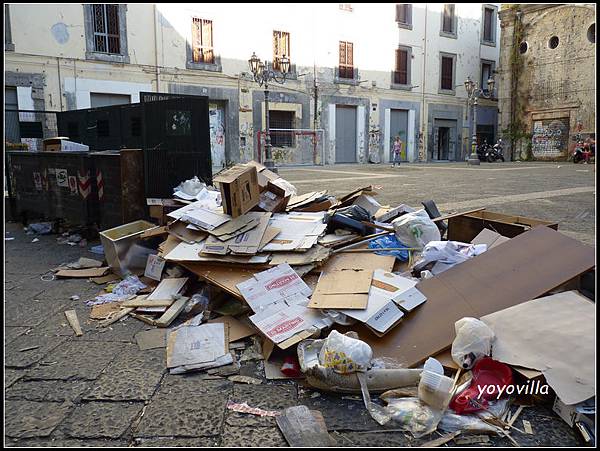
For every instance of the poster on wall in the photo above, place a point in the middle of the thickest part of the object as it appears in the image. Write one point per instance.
(217, 134)
(62, 178)
(550, 138)
(37, 181)
(73, 184)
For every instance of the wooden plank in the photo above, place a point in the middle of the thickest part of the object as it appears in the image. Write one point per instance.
(115, 318)
(143, 318)
(172, 313)
(142, 301)
(440, 441)
(74, 322)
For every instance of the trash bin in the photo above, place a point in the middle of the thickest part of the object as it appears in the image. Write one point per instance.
(28, 186)
(120, 246)
(119, 179)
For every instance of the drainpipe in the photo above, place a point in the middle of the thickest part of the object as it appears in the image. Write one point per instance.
(59, 83)
(423, 127)
(156, 49)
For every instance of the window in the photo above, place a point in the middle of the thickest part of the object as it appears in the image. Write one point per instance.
(346, 66)
(402, 67)
(281, 120)
(202, 41)
(448, 21)
(447, 73)
(281, 47)
(488, 34)
(106, 29)
(487, 72)
(404, 15)
(106, 36)
(8, 44)
(104, 99)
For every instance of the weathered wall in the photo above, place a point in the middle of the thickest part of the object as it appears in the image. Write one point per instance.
(555, 87)
(50, 45)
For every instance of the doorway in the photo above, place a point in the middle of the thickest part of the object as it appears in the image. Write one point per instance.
(399, 127)
(444, 140)
(345, 134)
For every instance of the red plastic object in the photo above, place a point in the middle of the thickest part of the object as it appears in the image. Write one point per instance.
(291, 367)
(487, 374)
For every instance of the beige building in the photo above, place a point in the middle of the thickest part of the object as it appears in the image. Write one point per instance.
(547, 78)
(361, 73)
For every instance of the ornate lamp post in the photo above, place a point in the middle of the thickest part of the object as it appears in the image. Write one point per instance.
(473, 93)
(263, 75)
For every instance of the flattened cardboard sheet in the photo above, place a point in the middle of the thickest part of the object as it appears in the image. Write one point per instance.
(552, 334)
(523, 268)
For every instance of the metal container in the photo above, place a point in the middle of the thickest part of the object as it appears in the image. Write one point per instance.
(119, 178)
(28, 188)
(121, 246)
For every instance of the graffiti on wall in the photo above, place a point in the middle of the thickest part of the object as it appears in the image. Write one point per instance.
(550, 138)
(217, 134)
(374, 141)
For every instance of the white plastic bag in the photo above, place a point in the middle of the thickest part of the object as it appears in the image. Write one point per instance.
(416, 229)
(344, 354)
(451, 252)
(473, 340)
(413, 415)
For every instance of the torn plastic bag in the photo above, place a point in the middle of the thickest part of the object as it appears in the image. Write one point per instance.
(452, 422)
(345, 354)
(416, 229)
(189, 188)
(389, 241)
(41, 228)
(473, 340)
(412, 415)
(449, 253)
(326, 379)
(127, 287)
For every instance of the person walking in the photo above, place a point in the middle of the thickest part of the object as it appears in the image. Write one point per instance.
(396, 150)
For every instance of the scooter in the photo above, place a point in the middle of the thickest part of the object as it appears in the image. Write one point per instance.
(495, 153)
(579, 152)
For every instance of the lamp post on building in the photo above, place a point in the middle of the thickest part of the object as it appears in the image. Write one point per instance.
(474, 92)
(263, 75)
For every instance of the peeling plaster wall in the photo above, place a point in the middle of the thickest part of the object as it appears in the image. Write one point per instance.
(553, 83)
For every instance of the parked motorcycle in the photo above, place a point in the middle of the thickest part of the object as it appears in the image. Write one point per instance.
(583, 151)
(495, 153)
(482, 150)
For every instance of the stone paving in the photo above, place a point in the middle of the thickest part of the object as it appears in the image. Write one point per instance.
(101, 390)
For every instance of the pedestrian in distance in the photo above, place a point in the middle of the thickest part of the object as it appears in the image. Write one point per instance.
(396, 150)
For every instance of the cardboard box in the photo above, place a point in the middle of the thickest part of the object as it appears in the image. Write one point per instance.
(160, 208)
(264, 175)
(239, 189)
(273, 199)
(62, 144)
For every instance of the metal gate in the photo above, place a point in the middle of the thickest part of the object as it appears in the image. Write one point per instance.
(176, 143)
(345, 134)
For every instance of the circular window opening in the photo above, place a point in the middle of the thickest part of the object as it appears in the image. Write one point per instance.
(591, 33)
(553, 42)
(523, 47)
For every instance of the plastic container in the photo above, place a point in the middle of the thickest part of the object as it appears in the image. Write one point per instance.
(118, 243)
(488, 377)
(435, 389)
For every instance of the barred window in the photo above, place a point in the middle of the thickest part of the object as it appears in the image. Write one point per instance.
(202, 41)
(488, 22)
(283, 120)
(106, 28)
(281, 47)
(346, 60)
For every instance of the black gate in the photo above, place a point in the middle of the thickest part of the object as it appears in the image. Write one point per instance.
(176, 143)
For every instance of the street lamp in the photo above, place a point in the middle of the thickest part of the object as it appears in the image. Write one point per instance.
(263, 75)
(473, 94)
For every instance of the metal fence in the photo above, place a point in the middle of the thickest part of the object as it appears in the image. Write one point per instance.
(293, 146)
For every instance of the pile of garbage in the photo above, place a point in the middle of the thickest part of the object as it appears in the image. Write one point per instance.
(450, 319)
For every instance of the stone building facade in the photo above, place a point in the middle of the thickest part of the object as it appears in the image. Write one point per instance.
(547, 78)
(361, 73)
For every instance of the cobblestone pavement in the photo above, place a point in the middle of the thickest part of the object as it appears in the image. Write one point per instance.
(101, 390)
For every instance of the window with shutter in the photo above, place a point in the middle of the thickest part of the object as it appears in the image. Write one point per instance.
(202, 41)
(281, 47)
(401, 72)
(488, 15)
(447, 73)
(448, 19)
(404, 13)
(346, 60)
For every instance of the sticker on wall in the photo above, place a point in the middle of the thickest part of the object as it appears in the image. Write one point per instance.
(45, 180)
(37, 181)
(62, 178)
(85, 184)
(100, 183)
(73, 184)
